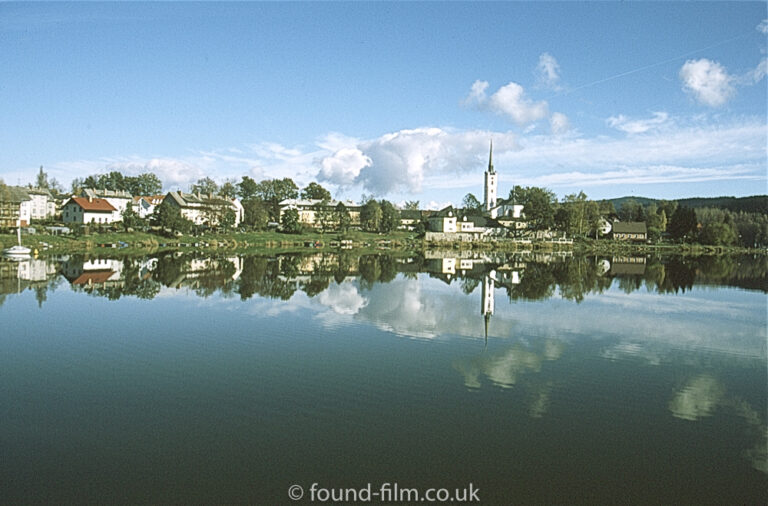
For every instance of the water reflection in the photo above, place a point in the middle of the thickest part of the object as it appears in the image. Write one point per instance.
(526, 276)
(554, 335)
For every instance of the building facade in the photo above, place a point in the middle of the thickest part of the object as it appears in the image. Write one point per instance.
(86, 210)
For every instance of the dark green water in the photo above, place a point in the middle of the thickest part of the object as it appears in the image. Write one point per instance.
(227, 380)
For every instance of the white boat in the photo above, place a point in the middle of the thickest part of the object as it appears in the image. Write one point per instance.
(18, 252)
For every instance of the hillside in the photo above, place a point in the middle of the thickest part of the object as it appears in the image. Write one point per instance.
(753, 204)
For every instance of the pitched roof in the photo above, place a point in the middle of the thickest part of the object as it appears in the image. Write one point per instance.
(197, 200)
(92, 205)
(446, 211)
(629, 227)
(14, 194)
(93, 277)
(410, 214)
(96, 193)
(151, 199)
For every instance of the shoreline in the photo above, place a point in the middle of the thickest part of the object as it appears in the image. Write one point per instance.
(273, 242)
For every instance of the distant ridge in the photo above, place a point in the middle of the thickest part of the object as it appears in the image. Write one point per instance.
(753, 204)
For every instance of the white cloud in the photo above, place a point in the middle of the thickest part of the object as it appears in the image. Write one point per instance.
(342, 299)
(707, 81)
(624, 124)
(756, 75)
(548, 72)
(400, 161)
(559, 123)
(511, 101)
(343, 167)
(763, 26)
(477, 93)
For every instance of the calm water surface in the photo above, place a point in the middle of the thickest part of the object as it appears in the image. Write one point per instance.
(538, 379)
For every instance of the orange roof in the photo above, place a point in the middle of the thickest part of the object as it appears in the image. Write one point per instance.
(93, 205)
(93, 277)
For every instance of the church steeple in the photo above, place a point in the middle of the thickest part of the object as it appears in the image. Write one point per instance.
(489, 190)
(490, 160)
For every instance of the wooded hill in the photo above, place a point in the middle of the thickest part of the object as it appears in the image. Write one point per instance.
(753, 204)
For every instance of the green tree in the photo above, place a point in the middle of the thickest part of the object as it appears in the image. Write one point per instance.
(631, 210)
(256, 213)
(42, 179)
(143, 184)
(314, 191)
(470, 203)
(683, 224)
(247, 189)
(130, 218)
(539, 204)
(228, 189)
(411, 205)
(718, 234)
(227, 221)
(342, 217)
(390, 217)
(370, 216)
(290, 221)
(169, 217)
(205, 186)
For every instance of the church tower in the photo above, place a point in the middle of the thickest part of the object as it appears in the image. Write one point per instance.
(491, 183)
(488, 298)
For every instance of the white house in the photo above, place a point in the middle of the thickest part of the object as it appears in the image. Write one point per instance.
(145, 206)
(15, 207)
(309, 209)
(443, 221)
(205, 209)
(88, 210)
(119, 200)
(42, 203)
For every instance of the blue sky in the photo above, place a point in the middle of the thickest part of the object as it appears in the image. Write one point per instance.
(399, 100)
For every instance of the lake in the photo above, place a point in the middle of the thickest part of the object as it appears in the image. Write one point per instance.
(532, 378)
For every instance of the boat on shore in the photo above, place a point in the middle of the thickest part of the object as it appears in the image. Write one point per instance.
(17, 252)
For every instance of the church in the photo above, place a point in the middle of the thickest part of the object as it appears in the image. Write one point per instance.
(498, 217)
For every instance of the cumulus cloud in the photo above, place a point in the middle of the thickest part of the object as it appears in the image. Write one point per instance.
(343, 167)
(402, 160)
(559, 123)
(707, 81)
(548, 72)
(763, 26)
(511, 101)
(477, 93)
(639, 126)
(756, 75)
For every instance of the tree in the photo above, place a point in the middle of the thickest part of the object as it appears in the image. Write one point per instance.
(42, 179)
(55, 187)
(470, 203)
(390, 217)
(718, 234)
(169, 217)
(247, 188)
(256, 213)
(539, 205)
(631, 210)
(228, 219)
(683, 224)
(290, 221)
(342, 217)
(143, 184)
(314, 191)
(228, 189)
(370, 216)
(77, 185)
(130, 218)
(205, 186)
(582, 214)
(411, 205)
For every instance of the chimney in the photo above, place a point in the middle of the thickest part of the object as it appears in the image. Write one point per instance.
(90, 199)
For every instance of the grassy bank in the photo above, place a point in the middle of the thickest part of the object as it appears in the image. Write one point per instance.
(276, 242)
(268, 241)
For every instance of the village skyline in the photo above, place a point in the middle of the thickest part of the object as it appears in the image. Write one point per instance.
(656, 100)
